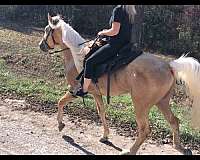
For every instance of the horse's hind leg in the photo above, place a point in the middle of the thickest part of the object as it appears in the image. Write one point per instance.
(141, 112)
(61, 103)
(164, 107)
(102, 114)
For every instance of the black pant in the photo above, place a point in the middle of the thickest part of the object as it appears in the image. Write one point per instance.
(99, 57)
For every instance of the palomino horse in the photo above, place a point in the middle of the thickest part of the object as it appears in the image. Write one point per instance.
(148, 79)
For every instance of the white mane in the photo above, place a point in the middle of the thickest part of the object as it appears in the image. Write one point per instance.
(72, 39)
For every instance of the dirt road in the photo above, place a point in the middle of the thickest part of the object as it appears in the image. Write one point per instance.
(28, 132)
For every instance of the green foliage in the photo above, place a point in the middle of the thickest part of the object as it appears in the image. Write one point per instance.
(23, 86)
(172, 29)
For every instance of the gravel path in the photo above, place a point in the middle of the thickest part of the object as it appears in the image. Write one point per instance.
(28, 132)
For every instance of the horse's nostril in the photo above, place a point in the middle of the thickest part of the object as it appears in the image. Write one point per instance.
(41, 47)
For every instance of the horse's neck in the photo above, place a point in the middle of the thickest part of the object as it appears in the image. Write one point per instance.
(70, 69)
(68, 60)
(72, 39)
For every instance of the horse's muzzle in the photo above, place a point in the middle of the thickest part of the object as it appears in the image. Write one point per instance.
(43, 46)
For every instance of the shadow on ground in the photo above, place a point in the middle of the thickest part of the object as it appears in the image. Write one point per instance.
(70, 140)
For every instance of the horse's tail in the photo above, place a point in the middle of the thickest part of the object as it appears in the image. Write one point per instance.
(187, 69)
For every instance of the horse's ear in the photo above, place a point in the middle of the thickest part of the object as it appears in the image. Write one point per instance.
(49, 18)
(61, 16)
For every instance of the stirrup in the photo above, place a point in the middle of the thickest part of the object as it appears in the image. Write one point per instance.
(80, 93)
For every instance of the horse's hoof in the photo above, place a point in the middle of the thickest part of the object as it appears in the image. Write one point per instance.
(125, 152)
(187, 152)
(61, 126)
(103, 140)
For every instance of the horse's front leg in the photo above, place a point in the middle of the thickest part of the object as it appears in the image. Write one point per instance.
(61, 103)
(102, 114)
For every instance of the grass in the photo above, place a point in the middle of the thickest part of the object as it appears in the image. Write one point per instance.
(11, 82)
(120, 110)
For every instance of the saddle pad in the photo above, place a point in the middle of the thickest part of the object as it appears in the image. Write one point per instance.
(124, 57)
(115, 63)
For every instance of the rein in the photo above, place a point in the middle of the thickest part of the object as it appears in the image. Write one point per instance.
(85, 42)
(59, 50)
(52, 30)
(95, 39)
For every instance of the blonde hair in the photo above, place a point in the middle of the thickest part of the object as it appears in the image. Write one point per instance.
(131, 11)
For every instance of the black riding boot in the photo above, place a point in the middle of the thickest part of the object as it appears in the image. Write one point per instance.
(80, 93)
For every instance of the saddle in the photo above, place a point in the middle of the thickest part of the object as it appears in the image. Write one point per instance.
(125, 55)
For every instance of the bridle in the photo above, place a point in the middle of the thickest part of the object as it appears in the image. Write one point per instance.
(55, 43)
(48, 34)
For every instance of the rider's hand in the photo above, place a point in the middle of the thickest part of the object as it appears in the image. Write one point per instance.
(101, 33)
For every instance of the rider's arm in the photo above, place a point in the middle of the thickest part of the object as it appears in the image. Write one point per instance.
(114, 30)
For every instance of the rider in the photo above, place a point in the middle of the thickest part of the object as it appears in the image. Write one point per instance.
(119, 34)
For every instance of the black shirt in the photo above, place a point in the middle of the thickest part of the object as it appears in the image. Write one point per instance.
(124, 35)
